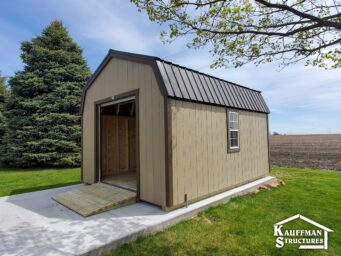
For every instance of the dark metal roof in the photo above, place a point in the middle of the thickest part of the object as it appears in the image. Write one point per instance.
(182, 83)
(191, 85)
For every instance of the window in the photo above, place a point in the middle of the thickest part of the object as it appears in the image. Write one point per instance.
(233, 130)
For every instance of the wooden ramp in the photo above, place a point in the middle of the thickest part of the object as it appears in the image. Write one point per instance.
(95, 198)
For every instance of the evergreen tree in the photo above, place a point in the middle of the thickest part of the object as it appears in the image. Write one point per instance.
(43, 109)
(3, 95)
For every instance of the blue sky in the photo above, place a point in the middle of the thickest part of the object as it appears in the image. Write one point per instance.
(302, 100)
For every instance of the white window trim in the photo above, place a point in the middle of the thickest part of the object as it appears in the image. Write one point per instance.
(233, 130)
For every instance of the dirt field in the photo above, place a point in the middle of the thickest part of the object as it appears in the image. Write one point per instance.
(315, 151)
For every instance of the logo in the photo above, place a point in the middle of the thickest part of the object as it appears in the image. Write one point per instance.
(315, 238)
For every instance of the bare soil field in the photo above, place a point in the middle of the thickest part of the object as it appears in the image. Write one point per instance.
(314, 151)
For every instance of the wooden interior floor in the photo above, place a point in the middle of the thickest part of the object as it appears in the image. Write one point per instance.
(124, 179)
(95, 198)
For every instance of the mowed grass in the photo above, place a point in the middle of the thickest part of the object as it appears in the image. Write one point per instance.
(16, 181)
(244, 226)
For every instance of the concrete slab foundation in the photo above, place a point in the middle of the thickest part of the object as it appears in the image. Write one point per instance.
(34, 224)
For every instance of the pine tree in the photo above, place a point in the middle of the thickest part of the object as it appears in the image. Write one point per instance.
(43, 109)
(3, 96)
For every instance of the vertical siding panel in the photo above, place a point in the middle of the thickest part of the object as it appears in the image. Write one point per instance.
(216, 146)
(177, 137)
(143, 136)
(254, 123)
(186, 155)
(220, 136)
(246, 157)
(182, 166)
(237, 161)
(189, 154)
(245, 126)
(196, 147)
(220, 146)
(223, 134)
(155, 141)
(199, 139)
(186, 174)
(203, 157)
(207, 137)
(162, 151)
(149, 175)
(192, 143)
(174, 119)
(205, 149)
(213, 144)
(194, 156)
(202, 118)
(243, 157)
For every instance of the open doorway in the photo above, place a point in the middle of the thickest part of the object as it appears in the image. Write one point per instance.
(118, 144)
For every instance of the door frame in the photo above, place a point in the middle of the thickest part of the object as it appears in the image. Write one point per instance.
(127, 96)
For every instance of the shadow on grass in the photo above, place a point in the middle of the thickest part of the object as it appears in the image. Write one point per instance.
(37, 188)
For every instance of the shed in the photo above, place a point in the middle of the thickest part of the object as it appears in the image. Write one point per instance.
(170, 133)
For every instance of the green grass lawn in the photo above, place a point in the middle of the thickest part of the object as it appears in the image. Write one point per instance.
(244, 226)
(16, 181)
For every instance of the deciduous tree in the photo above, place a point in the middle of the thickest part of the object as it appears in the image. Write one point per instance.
(259, 31)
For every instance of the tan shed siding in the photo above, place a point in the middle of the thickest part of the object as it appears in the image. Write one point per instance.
(120, 76)
(201, 164)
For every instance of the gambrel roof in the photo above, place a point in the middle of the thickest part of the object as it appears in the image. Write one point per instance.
(182, 83)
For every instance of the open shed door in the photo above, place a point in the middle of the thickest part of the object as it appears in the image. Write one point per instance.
(118, 143)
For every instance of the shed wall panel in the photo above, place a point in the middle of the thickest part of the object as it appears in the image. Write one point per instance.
(201, 163)
(120, 76)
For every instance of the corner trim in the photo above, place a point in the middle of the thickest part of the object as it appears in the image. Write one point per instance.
(168, 152)
(268, 140)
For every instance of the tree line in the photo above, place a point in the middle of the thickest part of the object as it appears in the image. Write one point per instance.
(40, 106)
